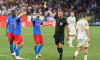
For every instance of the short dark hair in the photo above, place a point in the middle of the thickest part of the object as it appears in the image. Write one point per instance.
(72, 11)
(37, 12)
(84, 15)
(12, 11)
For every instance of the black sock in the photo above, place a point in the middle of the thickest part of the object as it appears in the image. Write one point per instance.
(58, 49)
(60, 52)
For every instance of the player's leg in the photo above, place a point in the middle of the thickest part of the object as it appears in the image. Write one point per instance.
(57, 42)
(85, 53)
(19, 42)
(10, 39)
(11, 47)
(41, 41)
(86, 44)
(60, 51)
(57, 47)
(36, 39)
(61, 42)
(17, 49)
(76, 53)
(70, 41)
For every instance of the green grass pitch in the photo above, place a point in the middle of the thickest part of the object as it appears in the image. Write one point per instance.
(49, 51)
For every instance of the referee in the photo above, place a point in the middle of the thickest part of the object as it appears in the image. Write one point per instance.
(61, 23)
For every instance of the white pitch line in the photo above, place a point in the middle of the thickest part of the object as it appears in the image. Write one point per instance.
(10, 56)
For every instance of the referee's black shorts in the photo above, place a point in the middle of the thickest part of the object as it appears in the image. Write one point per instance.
(59, 38)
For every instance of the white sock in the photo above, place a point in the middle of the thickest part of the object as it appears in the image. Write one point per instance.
(70, 41)
(85, 57)
(76, 53)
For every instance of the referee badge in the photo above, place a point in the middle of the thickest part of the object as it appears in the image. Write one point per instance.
(61, 23)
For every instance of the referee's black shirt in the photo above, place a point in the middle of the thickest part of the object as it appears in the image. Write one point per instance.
(60, 24)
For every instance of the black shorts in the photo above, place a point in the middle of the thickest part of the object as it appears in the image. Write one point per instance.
(59, 38)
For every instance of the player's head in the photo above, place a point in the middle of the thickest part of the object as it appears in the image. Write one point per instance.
(60, 14)
(13, 13)
(84, 15)
(37, 14)
(72, 13)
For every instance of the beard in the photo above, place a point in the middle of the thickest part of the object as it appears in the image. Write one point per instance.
(60, 16)
(38, 16)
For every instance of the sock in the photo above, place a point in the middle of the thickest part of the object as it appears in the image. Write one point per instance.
(60, 52)
(76, 53)
(14, 46)
(11, 48)
(17, 52)
(85, 57)
(19, 47)
(71, 38)
(35, 48)
(58, 49)
(39, 48)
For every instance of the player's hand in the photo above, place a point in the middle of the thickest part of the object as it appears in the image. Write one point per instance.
(45, 6)
(25, 13)
(88, 40)
(67, 37)
(31, 16)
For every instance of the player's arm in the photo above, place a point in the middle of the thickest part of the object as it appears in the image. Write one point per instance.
(22, 14)
(67, 28)
(7, 22)
(45, 24)
(49, 11)
(87, 31)
(6, 29)
(32, 18)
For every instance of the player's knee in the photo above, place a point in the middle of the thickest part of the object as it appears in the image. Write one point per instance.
(60, 45)
(36, 44)
(86, 48)
(80, 48)
(42, 44)
(57, 46)
(21, 44)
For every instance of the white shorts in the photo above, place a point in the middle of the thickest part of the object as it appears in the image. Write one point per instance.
(72, 30)
(83, 43)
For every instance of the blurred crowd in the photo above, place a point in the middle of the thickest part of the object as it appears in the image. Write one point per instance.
(92, 7)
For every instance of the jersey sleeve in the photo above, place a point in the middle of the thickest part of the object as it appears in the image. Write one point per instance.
(75, 19)
(66, 22)
(17, 18)
(68, 19)
(33, 21)
(55, 17)
(8, 21)
(77, 25)
(86, 25)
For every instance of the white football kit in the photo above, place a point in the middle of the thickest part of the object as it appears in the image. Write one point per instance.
(82, 25)
(72, 21)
